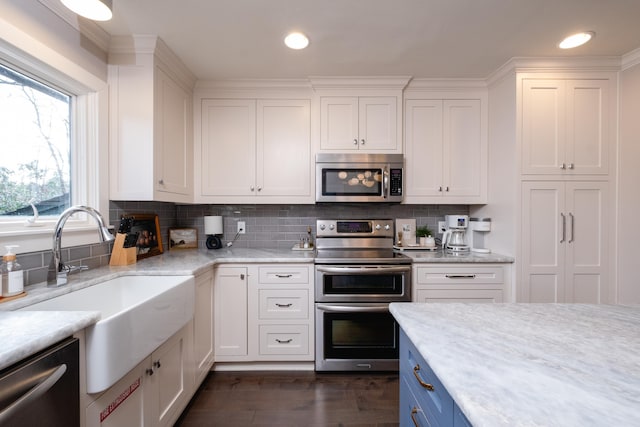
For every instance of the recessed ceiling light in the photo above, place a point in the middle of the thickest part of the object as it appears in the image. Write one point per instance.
(96, 10)
(296, 41)
(576, 40)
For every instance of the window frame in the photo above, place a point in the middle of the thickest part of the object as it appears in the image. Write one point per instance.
(89, 117)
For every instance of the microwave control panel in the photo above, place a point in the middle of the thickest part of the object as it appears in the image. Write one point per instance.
(395, 182)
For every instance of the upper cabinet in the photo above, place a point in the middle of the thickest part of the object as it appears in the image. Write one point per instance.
(360, 114)
(359, 123)
(254, 151)
(151, 122)
(445, 149)
(566, 126)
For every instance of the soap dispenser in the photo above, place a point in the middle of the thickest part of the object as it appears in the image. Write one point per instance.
(12, 274)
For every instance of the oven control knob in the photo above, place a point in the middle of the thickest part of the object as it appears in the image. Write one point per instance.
(331, 227)
(378, 227)
(322, 227)
(387, 227)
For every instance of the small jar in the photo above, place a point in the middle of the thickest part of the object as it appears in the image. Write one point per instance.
(429, 241)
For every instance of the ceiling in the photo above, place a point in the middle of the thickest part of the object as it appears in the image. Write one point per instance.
(228, 39)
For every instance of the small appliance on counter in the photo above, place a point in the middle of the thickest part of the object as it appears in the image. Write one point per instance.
(453, 239)
(478, 228)
(212, 228)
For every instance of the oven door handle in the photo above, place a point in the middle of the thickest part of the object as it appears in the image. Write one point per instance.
(364, 270)
(353, 308)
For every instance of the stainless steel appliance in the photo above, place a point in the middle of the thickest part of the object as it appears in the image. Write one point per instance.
(453, 239)
(357, 275)
(359, 177)
(43, 390)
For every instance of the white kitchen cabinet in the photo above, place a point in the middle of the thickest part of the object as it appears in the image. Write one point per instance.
(460, 283)
(445, 151)
(153, 394)
(255, 151)
(565, 126)
(364, 123)
(564, 242)
(151, 122)
(281, 319)
(230, 312)
(203, 321)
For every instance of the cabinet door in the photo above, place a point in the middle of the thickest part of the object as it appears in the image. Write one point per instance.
(339, 123)
(203, 326)
(587, 129)
(228, 147)
(543, 133)
(173, 137)
(283, 148)
(423, 148)
(169, 381)
(462, 145)
(230, 303)
(377, 125)
(586, 243)
(544, 233)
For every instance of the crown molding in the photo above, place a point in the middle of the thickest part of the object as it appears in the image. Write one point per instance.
(364, 82)
(630, 59)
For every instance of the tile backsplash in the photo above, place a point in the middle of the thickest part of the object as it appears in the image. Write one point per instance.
(267, 226)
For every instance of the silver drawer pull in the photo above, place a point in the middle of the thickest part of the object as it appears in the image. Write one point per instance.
(284, 276)
(284, 341)
(460, 276)
(284, 305)
(428, 386)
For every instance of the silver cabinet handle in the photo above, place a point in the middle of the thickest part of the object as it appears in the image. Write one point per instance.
(242, 277)
(571, 217)
(564, 227)
(570, 165)
(279, 341)
(355, 141)
(460, 276)
(34, 393)
(259, 188)
(284, 276)
(563, 166)
(252, 188)
(440, 188)
(447, 189)
(362, 141)
(283, 305)
(161, 182)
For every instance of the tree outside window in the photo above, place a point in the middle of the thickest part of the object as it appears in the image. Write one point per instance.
(34, 146)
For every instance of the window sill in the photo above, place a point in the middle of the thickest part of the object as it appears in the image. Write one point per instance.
(34, 239)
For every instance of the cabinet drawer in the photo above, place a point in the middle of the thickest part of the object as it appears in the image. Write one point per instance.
(411, 414)
(459, 275)
(284, 274)
(283, 304)
(458, 295)
(434, 399)
(284, 339)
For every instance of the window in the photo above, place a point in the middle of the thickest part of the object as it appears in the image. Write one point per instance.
(35, 146)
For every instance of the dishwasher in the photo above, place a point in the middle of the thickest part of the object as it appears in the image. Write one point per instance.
(44, 389)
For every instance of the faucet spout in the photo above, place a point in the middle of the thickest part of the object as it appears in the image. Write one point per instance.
(57, 274)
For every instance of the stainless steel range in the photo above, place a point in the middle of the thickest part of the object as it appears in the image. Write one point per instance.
(357, 276)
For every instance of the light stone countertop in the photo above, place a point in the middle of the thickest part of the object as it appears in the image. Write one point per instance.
(532, 364)
(440, 257)
(177, 262)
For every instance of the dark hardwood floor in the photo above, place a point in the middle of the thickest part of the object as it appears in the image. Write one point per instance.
(294, 399)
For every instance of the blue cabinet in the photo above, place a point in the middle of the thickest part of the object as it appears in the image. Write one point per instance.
(424, 401)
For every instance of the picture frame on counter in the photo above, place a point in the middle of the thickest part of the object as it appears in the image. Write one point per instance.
(149, 242)
(183, 238)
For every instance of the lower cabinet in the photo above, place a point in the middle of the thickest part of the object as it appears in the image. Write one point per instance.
(154, 393)
(423, 399)
(461, 283)
(203, 326)
(264, 313)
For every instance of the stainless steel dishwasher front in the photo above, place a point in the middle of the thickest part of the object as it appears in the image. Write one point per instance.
(43, 390)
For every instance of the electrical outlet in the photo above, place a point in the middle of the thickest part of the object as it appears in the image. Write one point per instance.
(242, 227)
(441, 227)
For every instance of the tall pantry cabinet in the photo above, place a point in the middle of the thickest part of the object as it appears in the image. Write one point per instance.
(553, 207)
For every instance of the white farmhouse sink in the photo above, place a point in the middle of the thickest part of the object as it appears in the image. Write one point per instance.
(139, 313)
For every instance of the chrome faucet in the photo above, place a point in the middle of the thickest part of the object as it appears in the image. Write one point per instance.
(57, 274)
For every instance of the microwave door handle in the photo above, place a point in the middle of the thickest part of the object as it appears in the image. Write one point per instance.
(352, 308)
(385, 182)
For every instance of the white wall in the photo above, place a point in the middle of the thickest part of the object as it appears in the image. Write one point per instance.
(629, 186)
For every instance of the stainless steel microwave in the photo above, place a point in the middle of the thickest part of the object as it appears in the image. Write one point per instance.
(359, 177)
